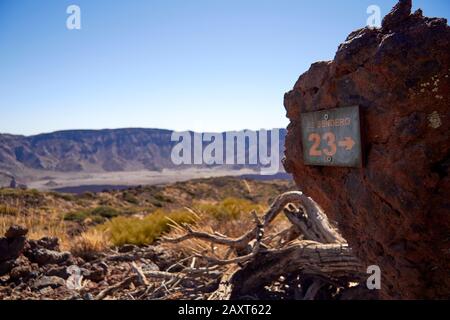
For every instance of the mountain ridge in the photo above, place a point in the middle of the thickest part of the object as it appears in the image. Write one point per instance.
(91, 150)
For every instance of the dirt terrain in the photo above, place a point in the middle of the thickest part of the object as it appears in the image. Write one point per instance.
(65, 255)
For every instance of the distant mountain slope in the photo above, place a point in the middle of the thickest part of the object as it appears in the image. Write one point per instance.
(106, 150)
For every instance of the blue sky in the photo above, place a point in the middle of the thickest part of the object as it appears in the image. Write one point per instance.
(204, 65)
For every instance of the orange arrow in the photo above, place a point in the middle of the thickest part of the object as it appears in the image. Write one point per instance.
(347, 143)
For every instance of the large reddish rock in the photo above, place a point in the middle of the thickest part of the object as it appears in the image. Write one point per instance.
(395, 210)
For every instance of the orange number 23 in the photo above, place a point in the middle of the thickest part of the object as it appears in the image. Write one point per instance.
(315, 138)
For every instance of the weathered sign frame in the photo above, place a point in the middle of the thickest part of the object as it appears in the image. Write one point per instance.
(332, 137)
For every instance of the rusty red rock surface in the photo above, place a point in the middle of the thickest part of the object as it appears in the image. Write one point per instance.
(395, 210)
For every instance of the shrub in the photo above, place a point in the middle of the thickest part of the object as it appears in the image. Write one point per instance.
(7, 210)
(78, 216)
(156, 203)
(128, 197)
(89, 243)
(228, 209)
(27, 194)
(97, 215)
(131, 230)
(88, 195)
(39, 223)
(64, 196)
(162, 198)
(105, 212)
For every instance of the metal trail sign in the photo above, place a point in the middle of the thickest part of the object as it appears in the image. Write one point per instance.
(332, 137)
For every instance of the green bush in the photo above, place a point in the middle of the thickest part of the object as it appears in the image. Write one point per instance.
(78, 216)
(98, 215)
(105, 212)
(162, 198)
(228, 209)
(21, 193)
(63, 196)
(131, 230)
(140, 231)
(128, 197)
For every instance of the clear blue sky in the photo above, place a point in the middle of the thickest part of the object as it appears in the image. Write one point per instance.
(205, 65)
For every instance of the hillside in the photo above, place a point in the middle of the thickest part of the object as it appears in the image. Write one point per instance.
(100, 234)
(79, 151)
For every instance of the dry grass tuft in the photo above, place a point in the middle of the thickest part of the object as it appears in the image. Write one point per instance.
(7, 210)
(39, 224)
(89, 242)
(140, 231)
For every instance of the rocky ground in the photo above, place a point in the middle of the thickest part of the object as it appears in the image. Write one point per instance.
(37, 269)
(34, 265)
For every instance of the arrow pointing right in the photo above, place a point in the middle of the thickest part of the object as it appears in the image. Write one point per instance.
(348, 143)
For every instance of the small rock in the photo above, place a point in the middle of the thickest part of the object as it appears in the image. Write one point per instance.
(60, 272)
(96, 273)
(88, 296)
(16, 232)
(52, 282)
(150, 266)
(46, 290)
(127, 248)
(23, 272)
(6, 266)
(45, 256)
(11, 248)
(50, 243)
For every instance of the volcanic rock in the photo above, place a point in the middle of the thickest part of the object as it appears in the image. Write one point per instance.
(12, 244)
(97, 272)
(16, 232)
(44, 282)
(398, 14)
(44, 256)
(58, 271)
(394, 211)
(21, 272)
(6, 266)
(50, 243)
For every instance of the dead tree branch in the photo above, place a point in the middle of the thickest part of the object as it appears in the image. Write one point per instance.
(314, 249)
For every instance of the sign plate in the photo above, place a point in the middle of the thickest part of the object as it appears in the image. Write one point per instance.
(332, 137)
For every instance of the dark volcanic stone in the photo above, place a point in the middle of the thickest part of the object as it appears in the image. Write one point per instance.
(16, 232)
(6, 266)
(44, 256)
(50, 243)
(44, 282)
(11, 248)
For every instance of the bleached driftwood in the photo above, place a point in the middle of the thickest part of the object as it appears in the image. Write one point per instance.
(318, 252)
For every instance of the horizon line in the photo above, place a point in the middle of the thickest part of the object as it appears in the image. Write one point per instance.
(129, 128)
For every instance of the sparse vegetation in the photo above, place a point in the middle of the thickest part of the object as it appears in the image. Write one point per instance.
(228, 209)
(98, 214)
(39, 224)
(94, 228)
(130, 198)
(64, 196)
(140, 231)
(7, 210)
(89, 243)
(137, 215)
